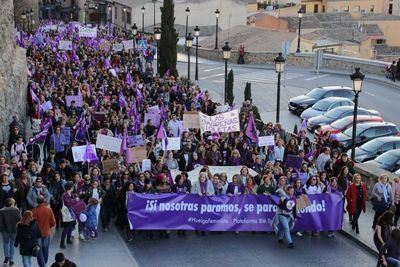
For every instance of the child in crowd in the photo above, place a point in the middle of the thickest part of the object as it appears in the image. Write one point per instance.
(91, 221)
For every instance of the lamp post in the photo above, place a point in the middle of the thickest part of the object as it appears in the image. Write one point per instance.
(143, 9)
(279, 68)
(109, 18)
(28, 20)
(124, 10)
(187, 11)
(134, 32)
(154, 14)
(357, 77)
(157, 37)
(23, 17)
(226, 52)
(217, 13)
(300, 16)
(196, 34)
(189, 44)
(85, 12)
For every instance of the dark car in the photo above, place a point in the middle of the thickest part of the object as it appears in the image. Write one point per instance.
(376, 147)
(389, 161)
(366, 132)
(299, 103)
(336, 114)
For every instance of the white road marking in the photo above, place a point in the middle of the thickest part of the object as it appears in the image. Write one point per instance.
(369, 94)
(218, 68)
(212, 76)
(314, 78)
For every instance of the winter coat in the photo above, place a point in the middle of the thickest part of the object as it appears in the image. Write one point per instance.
(27, 238)
(351, 196)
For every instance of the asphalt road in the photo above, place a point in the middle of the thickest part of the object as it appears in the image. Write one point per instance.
(295, 81)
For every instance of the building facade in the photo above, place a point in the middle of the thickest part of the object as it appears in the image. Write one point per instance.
(356, 8)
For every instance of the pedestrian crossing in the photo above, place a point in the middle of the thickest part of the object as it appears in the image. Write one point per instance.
(263, 77)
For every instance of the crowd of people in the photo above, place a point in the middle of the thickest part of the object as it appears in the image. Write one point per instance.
(43, 187)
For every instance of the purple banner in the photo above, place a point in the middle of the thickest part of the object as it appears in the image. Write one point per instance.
(225, 213)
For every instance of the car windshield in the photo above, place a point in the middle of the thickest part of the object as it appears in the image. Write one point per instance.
(321, 105)
(349, 131)
(334, 113)
(315, 93)
(387, 159)
(371, 146)
(340, 124)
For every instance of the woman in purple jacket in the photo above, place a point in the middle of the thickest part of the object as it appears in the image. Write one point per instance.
(69, 200)
(235, 187)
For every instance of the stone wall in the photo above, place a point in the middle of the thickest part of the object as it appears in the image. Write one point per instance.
(301, 60)
(13, 73)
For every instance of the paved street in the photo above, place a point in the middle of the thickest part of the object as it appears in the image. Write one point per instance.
(295, 81)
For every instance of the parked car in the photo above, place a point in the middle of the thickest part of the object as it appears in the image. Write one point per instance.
(300, 103)
(389, 161)
(325, 105)
(376, 147)
(336, 114)
(342, 124)
(366, 132)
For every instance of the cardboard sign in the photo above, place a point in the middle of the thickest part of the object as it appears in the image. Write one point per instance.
(57, 113)
(135, 140)
(108, 143)
(78, 151)
(222, 123)
(46, 106)
(191, 120)
(139, 153)
(110, 165)
(146, 165)
(87, 32)
(268, 140)
(106, 45)
(302, 202)
(65, 45)
(66, 131)
(51, 27)
(77, 98)
(153, 109)
(117, 47)
(113, 72)
(174, 143)
(128, 44)
(154, 117)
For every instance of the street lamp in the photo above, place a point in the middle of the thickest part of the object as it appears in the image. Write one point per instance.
(109, 18)
(85, 12)
(279, 68)
(187, 11)
(189, 44)
(28, 20)
(197, 34)
(124, 9)
(217, 13)
(23, 17)
(154, 14)
(357, 77)
(143, 9)
(226, 53)
(157, 37)
(300, 15)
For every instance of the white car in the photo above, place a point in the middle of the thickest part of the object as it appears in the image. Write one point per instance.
(324, 105)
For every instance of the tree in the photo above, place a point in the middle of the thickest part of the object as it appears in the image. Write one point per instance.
(247, 91)
(169, 39)
(229, 94)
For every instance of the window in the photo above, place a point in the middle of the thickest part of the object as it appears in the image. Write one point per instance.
(128, 17)
(368, 133)
(323, 9)
(386, 147)
(356, 9)
(397, 145)
(390, 11)
(345, 9)
(116, 13)
(316, 8)
(372, 9)
(382, 131)
(380, 41)
(304, 8)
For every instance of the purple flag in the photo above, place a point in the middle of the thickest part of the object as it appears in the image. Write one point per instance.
(139, 96)
(128, 79)
(90, 154)
(40, 137)
(35, 98)
(124, 144)
(80, 134)
(294, 161)
(303, 125)
(251, 131)
(133, 111)
(310, 155)
(167, 74)
(121, 100)
(46, 124)
(162, 133)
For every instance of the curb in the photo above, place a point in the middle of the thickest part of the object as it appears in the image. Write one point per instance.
(363, 245)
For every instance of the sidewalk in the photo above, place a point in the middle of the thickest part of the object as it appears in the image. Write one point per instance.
(109, 249)
(366, 237)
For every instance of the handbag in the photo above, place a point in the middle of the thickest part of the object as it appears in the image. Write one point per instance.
(35, 250)
(66, 214)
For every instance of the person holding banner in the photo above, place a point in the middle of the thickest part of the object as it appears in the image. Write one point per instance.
(203, 187)
(285, 217)
(235, 187)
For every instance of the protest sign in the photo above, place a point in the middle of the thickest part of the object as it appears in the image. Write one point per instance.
(191, 120)
(113, 72)
(268, 140)
(57, 113)
(139, 153)
(50, 27)
(228, 213)
(108, 143)
(99, 116)
(303, 176)
(110, 165)
(174, 143)
(294, 161)
(46, 106)
(153, 109)
(302, 202)
(154, 117)
(87, 31)
(65, 45)
(77, 98)
(146, 165)
(128, 44)
(135, 140)
(117, 47)
(78, 151)
(222, 123)
(106, 45)
(141, 45)
(221, 109)
(66, 131)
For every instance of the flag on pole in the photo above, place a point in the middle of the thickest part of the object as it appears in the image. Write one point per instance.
(251, 131)
(39, 137)
(121, 100)
(162, 133)
(124, 144)
(303, 125)
(35, 98)
(90, 154)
